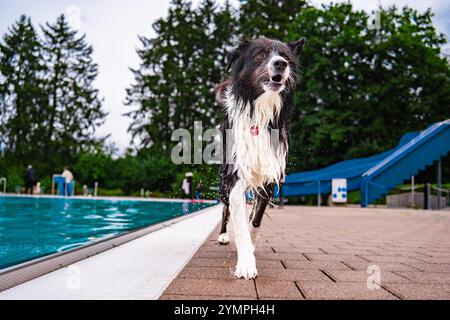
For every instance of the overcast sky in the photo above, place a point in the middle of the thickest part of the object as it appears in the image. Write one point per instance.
(112, 27)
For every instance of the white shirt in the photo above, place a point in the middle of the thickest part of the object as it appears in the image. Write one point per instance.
(185, 186)
(68, 175)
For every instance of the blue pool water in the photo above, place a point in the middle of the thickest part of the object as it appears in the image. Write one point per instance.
(34, 227)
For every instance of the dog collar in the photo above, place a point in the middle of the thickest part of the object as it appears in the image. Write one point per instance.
(254, 131)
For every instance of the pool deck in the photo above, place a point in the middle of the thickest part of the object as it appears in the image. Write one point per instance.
(325, 253)
(139, 269)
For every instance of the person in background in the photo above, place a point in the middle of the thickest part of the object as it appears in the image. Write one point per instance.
(198, 191)
(30, 179)
(187, 185)
(68, 176)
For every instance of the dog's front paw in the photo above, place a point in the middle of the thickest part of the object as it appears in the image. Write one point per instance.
(224, 239)
(246, 267)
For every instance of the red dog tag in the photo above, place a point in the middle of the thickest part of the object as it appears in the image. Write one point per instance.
(254, 131)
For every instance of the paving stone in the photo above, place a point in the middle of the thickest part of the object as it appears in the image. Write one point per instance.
(343, 290)
(212, 262)
(313, 275)
(334, 257)
(278, 289)
(212, 287)
(420, 292)
(281, 256)
(287, 249)
(384, 266)
(393, 259)
(307, 250)
(349, 251)
(434, 260)
(215, 254)
(427, 277)
(362, 276)
(431, 267)
(317, 265)
(207, 273)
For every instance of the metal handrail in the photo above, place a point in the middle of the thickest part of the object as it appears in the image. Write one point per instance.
(4, 184)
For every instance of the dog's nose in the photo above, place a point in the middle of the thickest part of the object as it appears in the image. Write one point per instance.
(280, 64)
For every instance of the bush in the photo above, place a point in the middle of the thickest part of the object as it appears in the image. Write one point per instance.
(110, 193)
(15, 178)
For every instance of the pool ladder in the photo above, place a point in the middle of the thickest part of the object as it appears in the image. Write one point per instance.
(3, 180)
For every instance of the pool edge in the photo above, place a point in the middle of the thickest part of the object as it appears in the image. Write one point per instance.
(19, 274)
(104, 198)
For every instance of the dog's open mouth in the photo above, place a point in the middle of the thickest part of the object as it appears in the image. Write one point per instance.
(273, 85)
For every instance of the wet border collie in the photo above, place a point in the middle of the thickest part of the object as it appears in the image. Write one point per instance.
(256, 101)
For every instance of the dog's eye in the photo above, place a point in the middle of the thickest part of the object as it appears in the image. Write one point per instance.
(285, 56)
(260, 56)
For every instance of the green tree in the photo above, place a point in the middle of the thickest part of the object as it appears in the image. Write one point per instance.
(361, 89)
(95, 166)
(149, 170)
(23, 100)
(75, 105)
(179, 68)
(268, 18)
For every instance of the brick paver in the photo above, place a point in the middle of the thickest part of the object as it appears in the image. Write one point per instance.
(325, 253)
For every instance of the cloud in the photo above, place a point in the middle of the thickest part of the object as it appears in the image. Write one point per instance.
(74, 16)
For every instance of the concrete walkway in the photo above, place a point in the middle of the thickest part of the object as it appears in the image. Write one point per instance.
(330, 253)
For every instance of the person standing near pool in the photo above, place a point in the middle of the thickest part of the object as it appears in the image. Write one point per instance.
(198, 191)
(68, 175)
(69, 178)
(187, 185)
(30, 179)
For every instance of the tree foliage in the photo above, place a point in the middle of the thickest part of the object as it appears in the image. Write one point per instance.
(361, 89)
(23, 101)
(75, 106)
(268, 18)
(49, 108)
(179, 68)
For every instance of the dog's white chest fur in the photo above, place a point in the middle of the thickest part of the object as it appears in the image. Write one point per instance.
(258, 158)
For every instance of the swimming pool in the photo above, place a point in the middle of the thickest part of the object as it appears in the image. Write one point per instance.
(32, 227)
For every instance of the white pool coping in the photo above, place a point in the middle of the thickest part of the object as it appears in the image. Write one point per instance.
(139, 269)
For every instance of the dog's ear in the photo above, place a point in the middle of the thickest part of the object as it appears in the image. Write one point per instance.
(297, 46)
(233, 58)
(219, 91)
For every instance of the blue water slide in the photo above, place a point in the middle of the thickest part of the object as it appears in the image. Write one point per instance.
(429, 146)
(319, 181)
(378, 174)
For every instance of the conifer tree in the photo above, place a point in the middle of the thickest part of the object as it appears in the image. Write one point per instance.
(75, 105)
(179, 69)
(23, 100)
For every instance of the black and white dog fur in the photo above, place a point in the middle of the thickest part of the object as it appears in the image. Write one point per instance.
(257, 102)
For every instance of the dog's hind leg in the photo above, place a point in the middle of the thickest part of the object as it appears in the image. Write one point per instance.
(224, 238)
(246, 264)
(263, 197)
